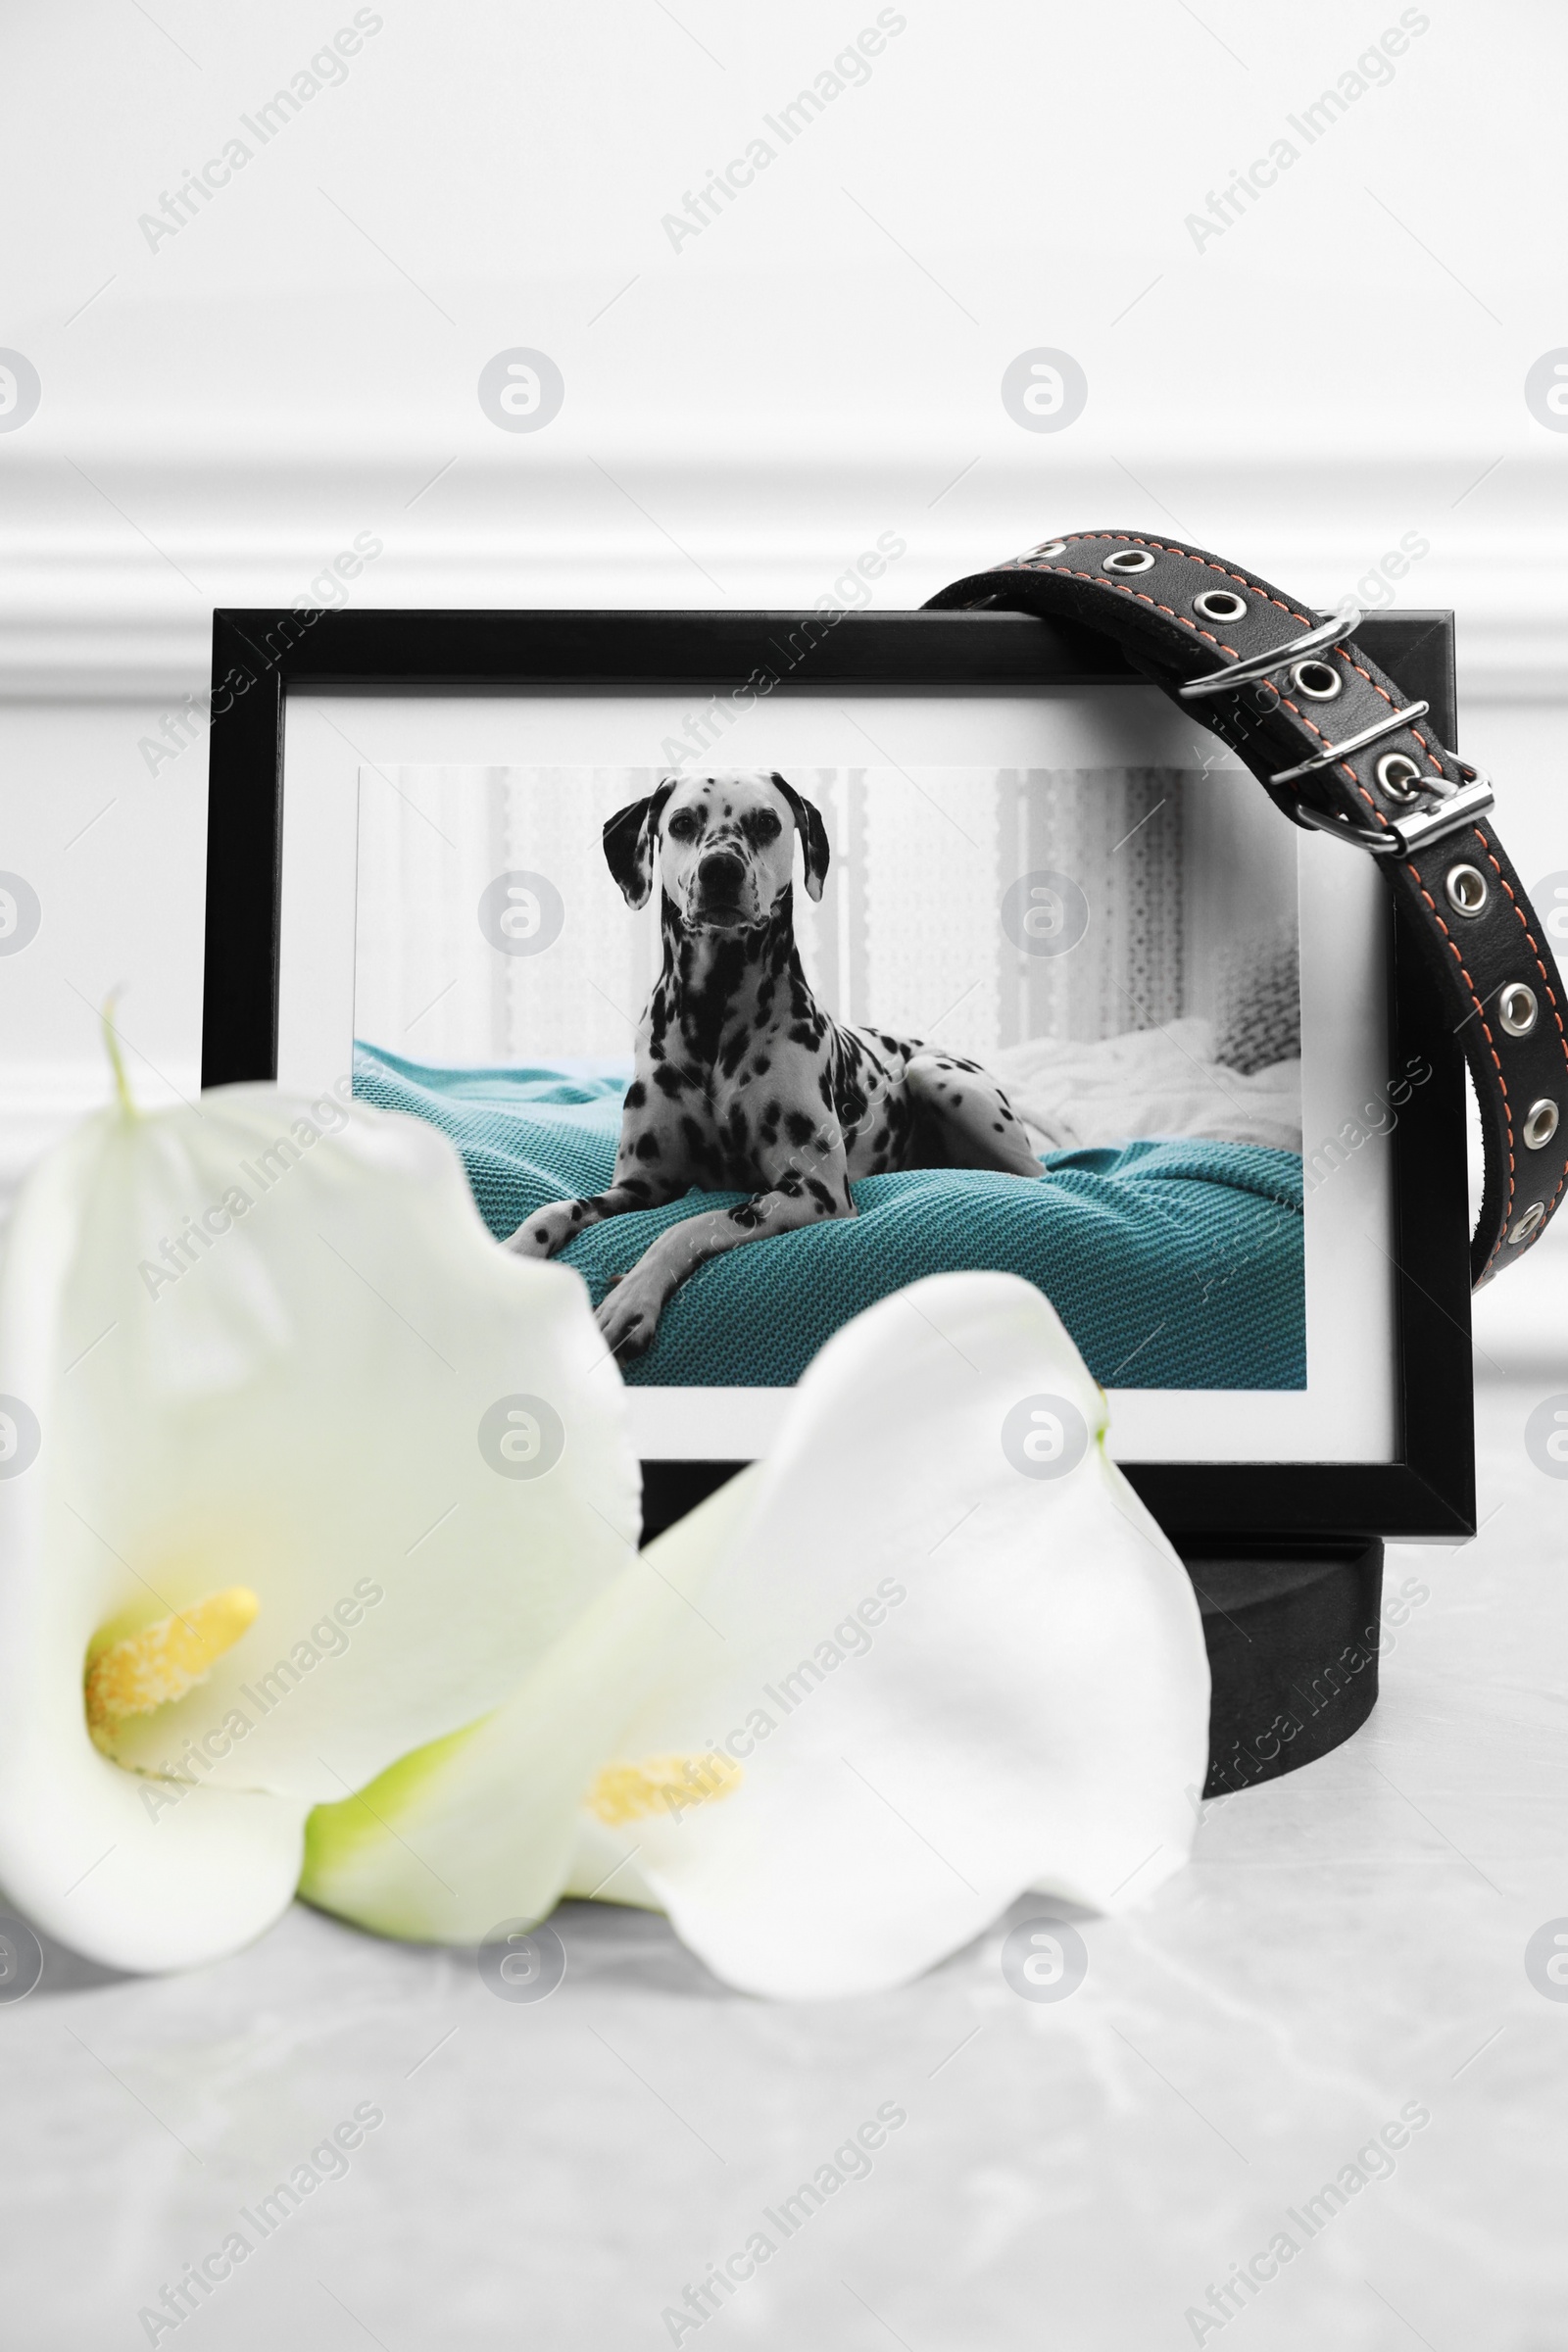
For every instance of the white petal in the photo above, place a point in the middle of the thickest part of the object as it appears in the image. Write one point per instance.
(947, 1679)
(298, 1410)
(488, 1826)
(143, 1874)
(1028, 1711)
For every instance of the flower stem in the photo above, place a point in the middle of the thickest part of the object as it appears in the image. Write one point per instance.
(115, 1058)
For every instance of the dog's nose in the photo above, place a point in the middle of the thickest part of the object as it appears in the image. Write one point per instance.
(721, 874)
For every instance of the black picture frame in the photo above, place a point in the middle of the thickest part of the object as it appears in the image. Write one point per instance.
(1212, 1510)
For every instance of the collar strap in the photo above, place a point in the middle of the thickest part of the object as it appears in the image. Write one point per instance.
(1336, 746)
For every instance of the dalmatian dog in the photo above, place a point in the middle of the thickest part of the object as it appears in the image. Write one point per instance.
(742, 1082)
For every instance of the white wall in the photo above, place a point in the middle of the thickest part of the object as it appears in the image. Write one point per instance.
(744, 411)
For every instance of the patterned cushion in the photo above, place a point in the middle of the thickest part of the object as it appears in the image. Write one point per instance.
(1257, 1001)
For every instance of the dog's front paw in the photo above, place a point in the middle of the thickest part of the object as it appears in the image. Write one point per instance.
(627, 1317)
(547, 1230)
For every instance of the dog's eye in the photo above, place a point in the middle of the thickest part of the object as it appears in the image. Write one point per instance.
(762, 825)
(682, 826)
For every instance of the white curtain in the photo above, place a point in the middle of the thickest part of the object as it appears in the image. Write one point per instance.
(908, 936)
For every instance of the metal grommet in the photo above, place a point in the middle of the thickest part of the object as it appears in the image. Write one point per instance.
(1318, 681)
(1219, 604)
(1541, 1123)
(1128, 559)
(1529, 1221)
(1465, 886)
(1517, 1009)
(1400, 779)
(1053, 547)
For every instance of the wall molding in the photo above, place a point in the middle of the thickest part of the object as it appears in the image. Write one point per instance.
(109, 567)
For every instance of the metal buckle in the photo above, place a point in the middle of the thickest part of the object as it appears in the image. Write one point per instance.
(1242, 673)
(1404, 836)
(1358, 743)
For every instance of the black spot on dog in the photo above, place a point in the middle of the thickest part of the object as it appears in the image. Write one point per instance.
(647, 1145)
(636, 1094)
(670, 1081)
(798, 1127)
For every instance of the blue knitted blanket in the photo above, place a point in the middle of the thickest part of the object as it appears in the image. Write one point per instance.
(1174, 1264)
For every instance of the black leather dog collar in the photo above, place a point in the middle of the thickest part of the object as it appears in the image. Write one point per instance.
(1336, 746)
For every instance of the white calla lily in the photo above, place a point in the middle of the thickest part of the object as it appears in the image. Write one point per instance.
(931, 1653)
(297, 1469)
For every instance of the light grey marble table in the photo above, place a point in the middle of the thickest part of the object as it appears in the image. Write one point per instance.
(1349, 1942)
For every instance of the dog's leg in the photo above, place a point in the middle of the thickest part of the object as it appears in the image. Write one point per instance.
(653, 1164)
(965, 1109)
(549, 1230)
(628, 1314)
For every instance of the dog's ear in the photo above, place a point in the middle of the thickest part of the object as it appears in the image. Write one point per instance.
(813, 836)
(631, 838)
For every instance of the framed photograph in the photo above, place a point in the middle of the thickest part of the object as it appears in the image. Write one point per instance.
(1067, 997)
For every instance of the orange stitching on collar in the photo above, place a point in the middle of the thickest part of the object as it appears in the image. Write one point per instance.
(1503, 1083)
